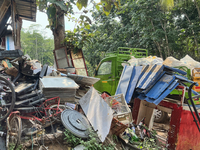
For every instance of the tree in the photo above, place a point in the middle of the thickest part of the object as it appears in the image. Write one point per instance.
(36, 46)
(57, 9)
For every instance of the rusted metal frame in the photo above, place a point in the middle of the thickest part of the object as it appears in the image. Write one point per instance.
(197, 118)
(83, 62)
(47, 107)
(59, 59)
(183, 93)
(71, 58)
(66, 56)
(135, 109)
(55, 59)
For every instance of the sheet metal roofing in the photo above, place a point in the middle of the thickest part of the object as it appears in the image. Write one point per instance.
(26, 9)
(152, 83)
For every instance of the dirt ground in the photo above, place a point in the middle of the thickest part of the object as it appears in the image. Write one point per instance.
(54, 146)
(161, 129)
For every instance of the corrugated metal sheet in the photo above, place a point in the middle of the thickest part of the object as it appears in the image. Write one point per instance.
(146, 75)
(133, 82)
(154, 83)
(124, 80)
(27, 9)
(153, 76)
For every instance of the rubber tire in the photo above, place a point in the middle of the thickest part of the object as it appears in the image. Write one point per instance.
(13, 98)
(163, 118)
(19, 121)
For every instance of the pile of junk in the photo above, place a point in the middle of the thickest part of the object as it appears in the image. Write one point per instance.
(40, 106)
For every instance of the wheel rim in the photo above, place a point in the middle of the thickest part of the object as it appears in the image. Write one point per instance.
(7, 98)
(14, 132)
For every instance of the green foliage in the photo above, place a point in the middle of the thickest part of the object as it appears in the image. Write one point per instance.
(149, 144)
(36, 45)
(12, 146)
(81, 3)
(72, 139)
(144, 24)
(90, 144)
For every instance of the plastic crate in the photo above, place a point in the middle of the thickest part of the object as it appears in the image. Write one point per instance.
(196, 79)
(121, 111)
(196, 88)
(196, 72)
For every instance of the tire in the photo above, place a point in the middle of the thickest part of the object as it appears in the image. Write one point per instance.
(160, 116)
(12, 103)
(16, 128)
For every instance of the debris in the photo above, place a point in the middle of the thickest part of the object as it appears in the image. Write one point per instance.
(48, 138)
(98, 112)
(117, 127)
(45, 98)
(121, 111)
(75, 122)
(62, 86)
(83, 80)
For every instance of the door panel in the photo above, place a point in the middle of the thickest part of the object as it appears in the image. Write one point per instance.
(106, 74)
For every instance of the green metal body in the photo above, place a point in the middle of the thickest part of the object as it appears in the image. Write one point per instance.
(109, 69)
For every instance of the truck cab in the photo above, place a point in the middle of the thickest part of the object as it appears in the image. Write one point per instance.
(110, 68)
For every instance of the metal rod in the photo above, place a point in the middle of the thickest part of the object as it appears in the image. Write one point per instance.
(193, 116)
(191, 100)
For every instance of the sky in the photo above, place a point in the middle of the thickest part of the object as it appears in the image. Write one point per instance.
(41, 18)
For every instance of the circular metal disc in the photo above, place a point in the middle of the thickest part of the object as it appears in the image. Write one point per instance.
(75, 122)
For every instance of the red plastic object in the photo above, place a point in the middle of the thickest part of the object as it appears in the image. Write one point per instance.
(104, 95)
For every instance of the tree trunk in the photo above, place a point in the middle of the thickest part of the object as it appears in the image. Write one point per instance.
(59, 31)
(157, 43)
(195, 40)
(196, 4)
(166, 38)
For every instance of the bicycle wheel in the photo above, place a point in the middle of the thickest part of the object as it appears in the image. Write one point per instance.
(7, 98)
(14, 133)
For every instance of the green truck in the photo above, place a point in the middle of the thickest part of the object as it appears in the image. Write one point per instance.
(110, 68)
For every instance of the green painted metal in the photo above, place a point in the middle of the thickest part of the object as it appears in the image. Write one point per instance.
(108, 82)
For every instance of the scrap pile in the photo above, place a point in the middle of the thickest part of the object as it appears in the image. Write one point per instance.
(38, 103)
